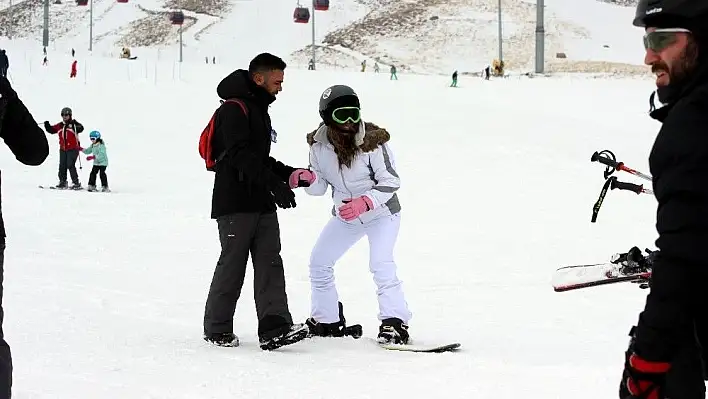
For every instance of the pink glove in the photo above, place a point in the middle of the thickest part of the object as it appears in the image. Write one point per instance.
(352, 208)
(90, 158)
(301, 175)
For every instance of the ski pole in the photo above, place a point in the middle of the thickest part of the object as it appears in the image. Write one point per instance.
(79, 158)
(607, 158)
(637, 188)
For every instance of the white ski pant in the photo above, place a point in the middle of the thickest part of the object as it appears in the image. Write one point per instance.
(334, 241)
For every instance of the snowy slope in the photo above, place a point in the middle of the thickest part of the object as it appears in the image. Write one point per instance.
(104, 293)
(419, 36)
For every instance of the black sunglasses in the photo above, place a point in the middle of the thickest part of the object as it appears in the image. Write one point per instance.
(662, 38)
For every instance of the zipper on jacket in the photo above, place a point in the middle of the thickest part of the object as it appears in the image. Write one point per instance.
(344, 181)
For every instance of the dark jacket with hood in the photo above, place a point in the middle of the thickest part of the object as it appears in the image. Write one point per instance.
(20, 132)
(246, 173)
(676, 309)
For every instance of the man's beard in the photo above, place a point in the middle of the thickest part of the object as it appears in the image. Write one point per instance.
(680, 74)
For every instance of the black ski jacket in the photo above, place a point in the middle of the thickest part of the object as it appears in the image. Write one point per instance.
(20, 132)
(244, 175)
(676, 308)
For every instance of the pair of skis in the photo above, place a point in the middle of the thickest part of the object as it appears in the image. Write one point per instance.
(632, 266)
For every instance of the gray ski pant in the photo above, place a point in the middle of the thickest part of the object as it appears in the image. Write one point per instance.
(241, 234)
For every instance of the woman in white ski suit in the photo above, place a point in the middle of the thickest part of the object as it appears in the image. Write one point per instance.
(365, 204)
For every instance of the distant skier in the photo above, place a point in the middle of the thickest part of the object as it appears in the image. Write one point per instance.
(454, 79)
(45, 61)
(98, 155)
(363, 66)
(393, 73)
(68, 130)
(4, 63)
(311, 65)
(376, 67)
(354, 160)
(73, 52)
(73, 70)
(486, 73)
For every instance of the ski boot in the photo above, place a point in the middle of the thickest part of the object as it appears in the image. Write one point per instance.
(91, 188)
(76, 186)
(338, 329)
(105, 189)
(61, 186)
(222, 339)
(278, 333)
(393, 331)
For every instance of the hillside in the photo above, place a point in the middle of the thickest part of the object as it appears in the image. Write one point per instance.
(421, 36)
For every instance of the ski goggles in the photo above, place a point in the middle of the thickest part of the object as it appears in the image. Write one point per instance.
(346, 114)
(662, 38)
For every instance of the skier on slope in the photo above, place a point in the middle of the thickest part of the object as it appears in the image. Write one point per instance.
(68, 130)
(664, 358)
(355, 160)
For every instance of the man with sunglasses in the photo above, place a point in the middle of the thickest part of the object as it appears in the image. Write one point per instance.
(28, 143)
(664, 359)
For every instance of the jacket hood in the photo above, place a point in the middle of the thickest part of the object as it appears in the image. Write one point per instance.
(239, 85)
(368, 138)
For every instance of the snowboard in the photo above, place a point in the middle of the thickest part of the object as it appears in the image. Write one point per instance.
(575, 277)
(421, 348)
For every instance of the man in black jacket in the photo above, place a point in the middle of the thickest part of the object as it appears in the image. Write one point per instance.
(29, 145)
(664, 358)
(248, 184)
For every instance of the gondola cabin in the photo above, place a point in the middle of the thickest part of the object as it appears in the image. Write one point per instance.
(321, 5)
(301, 15)
(82, 2)
(177, 17)
(122, 1)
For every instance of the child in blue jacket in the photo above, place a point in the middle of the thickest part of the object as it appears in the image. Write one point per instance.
(100, 161)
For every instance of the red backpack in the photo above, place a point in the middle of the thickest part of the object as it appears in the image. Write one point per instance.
(205, 148)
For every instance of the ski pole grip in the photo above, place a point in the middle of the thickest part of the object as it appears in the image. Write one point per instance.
(596, 157)
(637, 188)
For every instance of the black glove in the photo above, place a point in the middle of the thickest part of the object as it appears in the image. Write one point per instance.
(47, 126)
(282, 195)
(642, 379)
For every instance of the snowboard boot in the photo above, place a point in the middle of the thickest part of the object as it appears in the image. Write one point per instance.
(337, 329)
(91, 188)
(222, 339)
(393, 331)
(274, 332)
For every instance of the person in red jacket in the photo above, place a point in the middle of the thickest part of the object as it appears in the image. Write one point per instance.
(69, 145)
(73, 69)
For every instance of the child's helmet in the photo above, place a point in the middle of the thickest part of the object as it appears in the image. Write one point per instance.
(95, 135)
(334, 97)
(66, 111)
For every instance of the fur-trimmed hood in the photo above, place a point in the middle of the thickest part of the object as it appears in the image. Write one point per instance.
(368, 138)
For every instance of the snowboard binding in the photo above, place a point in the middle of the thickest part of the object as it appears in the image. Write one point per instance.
(338, 329)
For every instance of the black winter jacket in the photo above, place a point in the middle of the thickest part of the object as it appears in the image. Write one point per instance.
(20, 132)
(676, 309)
(244, 176)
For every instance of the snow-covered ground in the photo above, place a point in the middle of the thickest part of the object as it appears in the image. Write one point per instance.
(104, 293)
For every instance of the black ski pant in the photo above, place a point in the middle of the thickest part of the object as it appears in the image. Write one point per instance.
(96, 170)
(241, 234)
(67, 160)
(3, 72)
(685, 379)
(5, 356)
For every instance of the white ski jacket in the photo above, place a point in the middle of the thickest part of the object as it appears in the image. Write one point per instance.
(372, 173)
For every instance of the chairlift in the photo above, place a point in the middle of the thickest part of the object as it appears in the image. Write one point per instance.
(321, 5)
(177, 17)
(301, 15)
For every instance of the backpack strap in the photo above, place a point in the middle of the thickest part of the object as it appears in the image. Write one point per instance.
(245, 112)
